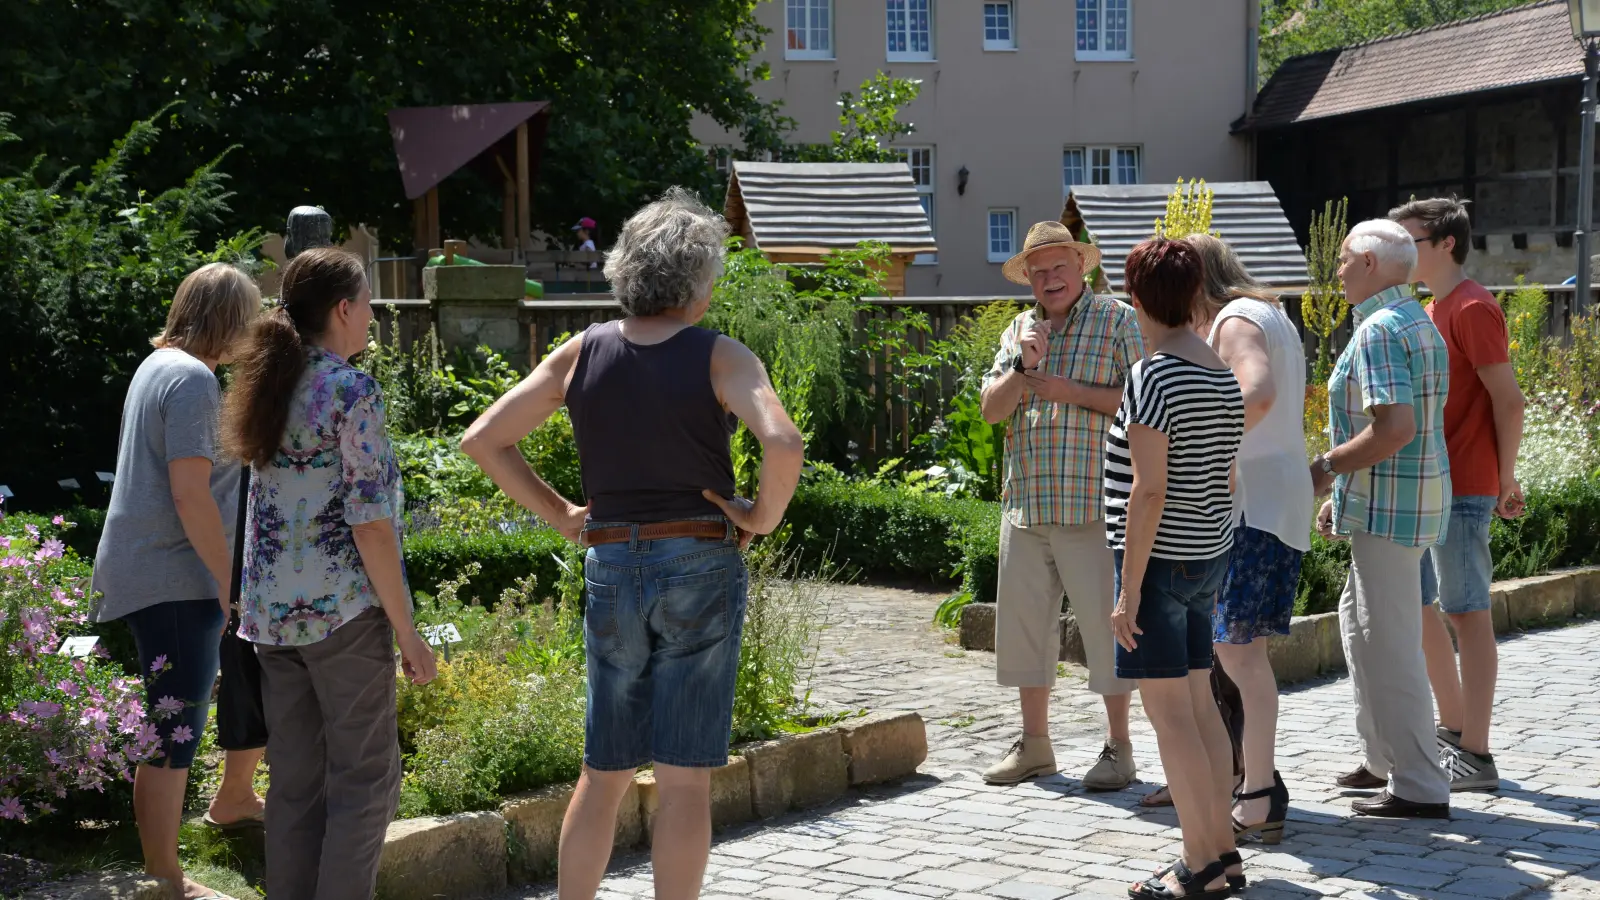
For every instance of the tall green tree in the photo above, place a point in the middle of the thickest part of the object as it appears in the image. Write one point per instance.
(302, 88)
(1294, 27)
(869, 122)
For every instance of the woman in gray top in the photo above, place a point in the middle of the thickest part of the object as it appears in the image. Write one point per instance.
(164, 566)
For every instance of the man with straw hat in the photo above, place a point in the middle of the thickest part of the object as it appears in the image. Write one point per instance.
(1057, 379)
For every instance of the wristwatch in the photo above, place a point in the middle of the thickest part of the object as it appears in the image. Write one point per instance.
(1017, 366)
(1326, 465)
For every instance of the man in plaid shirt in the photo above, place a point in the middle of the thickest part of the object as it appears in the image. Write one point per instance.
(1057, 379)
(1391, 497)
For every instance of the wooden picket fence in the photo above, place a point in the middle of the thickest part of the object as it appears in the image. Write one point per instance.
(900, 412)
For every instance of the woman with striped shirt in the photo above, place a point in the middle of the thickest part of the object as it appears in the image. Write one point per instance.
(1169, 521)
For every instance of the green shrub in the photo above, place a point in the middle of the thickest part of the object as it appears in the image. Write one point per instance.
(884, 531)
(1322, 576)
(88, 266)
(783, 624)
(435, 557)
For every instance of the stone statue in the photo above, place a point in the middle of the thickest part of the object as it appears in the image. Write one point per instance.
(309, 226)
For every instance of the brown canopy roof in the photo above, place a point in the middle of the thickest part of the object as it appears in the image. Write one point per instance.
(1519, 46)
(432, 142)
(813, 208)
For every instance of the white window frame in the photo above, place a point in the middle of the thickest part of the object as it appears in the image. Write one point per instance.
(1106, 157)
(1009, 42)
(926, 189)
(906, 9)
(808, 10)
(996, 256)
(1101, 34)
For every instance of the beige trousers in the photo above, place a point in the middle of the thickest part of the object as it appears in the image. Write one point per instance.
(1036, 564)
(1380, 622)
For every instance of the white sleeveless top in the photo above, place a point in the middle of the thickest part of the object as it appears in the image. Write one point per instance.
(1274, 481)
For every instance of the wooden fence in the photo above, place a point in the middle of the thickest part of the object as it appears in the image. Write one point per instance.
(900, 411)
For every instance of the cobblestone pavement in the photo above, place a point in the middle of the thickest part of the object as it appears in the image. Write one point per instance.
(946, 835)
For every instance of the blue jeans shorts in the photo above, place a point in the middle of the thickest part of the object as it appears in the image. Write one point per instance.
(1175, 604)
(1458, 571)
(187, 636)
(661, 635)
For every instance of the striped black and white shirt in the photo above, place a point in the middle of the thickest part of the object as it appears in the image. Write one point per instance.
(1201, 411)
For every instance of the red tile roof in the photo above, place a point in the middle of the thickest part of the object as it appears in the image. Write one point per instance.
(1519, 46)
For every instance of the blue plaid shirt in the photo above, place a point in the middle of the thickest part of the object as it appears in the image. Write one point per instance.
(1396, 357)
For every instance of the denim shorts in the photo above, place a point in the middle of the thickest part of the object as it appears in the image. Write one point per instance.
(1175, 604)
(661, 635)
(1457, 572)
(187, 636)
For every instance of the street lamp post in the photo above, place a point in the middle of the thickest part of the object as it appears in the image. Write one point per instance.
(1585, 15)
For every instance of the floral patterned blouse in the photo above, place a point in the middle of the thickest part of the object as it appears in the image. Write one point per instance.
(335, 469)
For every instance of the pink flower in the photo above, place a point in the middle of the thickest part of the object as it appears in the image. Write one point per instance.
(51, 549)
(67, 687)
(58, 520)
(32, 530)
(55, 758)
(41, 709)
(45, 809)
(11, 807)
(94, 716)
(183, 734)
(159, 665)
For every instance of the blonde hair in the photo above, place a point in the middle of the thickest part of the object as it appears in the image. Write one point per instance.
(210, 311)
(1226, 278)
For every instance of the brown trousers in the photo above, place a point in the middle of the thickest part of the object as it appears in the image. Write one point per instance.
(334, 747)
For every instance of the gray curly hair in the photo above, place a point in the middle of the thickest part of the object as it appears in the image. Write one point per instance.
(668, 256)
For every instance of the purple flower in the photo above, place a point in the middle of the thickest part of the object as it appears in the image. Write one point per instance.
(41, 709)
(95, 716)
(58, 520)
(67, 687)
(45, 809)
(11, 807)
(159, 666)
(32, 530)
(169, 706)
(51, 549)
(55, 758)
(182, 734)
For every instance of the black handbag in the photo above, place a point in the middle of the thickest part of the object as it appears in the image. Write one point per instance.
(241, 720)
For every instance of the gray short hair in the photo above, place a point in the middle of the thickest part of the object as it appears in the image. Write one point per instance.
(668, 256)
(1387, 240)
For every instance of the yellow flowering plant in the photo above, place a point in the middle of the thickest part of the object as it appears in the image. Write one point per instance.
(1188, 211)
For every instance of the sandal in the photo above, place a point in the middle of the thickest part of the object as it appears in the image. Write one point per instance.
(1193, 884)
(1271, 830)
(1236, 883)
(248, 822)
(1161, 796)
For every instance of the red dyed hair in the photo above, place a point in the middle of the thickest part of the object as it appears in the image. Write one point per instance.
(1166, 277)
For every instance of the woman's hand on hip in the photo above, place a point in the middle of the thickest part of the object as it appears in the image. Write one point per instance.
(416, 657)
(1124, 619)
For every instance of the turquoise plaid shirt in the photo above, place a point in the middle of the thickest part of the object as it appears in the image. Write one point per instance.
(1395, 357)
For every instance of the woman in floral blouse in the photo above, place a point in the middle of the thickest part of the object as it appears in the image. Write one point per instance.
(324, 595)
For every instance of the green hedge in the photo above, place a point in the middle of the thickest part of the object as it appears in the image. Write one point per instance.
(434, 557)
(882, 531)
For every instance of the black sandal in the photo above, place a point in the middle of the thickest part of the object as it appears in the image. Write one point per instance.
(1270, 831)
(1193, 884)
(1236, 883)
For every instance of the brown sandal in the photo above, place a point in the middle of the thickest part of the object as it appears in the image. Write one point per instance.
(1156, 798)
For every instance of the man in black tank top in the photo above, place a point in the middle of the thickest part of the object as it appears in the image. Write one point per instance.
(654, 400)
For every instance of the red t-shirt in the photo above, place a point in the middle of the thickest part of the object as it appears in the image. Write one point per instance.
(1474, 329)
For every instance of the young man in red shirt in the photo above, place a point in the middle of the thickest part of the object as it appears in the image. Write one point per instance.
(1483, 430)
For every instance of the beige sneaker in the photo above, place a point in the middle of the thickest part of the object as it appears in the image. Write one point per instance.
(1029, 757)
(1114, 771)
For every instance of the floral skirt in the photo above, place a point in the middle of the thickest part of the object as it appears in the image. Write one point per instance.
(1257, 597)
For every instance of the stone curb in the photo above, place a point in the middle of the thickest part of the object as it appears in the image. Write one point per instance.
(764, 780)
(480, 854)
(1313, 647)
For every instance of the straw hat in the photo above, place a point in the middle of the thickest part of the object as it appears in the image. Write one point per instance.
(1041, 236)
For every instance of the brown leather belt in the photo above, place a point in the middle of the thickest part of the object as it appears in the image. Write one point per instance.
(657, 531)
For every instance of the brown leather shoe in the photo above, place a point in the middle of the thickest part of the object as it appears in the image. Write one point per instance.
(1389, 806)
(1361, 780)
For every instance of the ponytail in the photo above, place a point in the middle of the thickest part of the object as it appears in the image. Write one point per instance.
(272, 359)
(265, 373)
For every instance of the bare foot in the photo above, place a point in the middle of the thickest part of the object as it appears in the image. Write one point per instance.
(228, 813)
(1158, 797)
(1252, 812)
(194, 890)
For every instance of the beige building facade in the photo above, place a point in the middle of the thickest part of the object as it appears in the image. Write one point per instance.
(1019, 99)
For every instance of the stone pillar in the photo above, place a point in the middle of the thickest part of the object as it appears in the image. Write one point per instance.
(475, 305)
(309, 226)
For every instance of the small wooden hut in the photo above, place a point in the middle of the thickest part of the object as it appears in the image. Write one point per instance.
(799, 212)
(500, 140)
